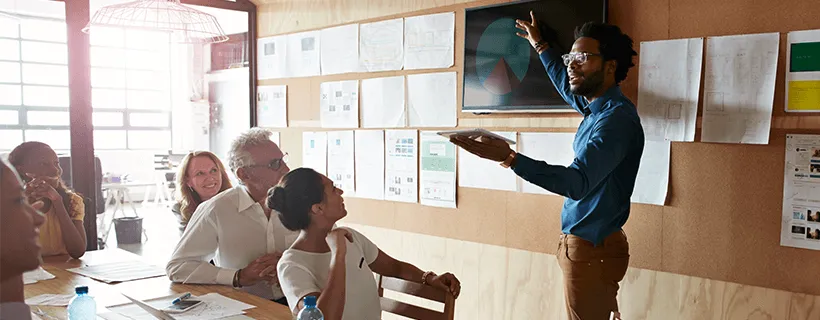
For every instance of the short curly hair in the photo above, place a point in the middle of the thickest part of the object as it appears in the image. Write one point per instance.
(613, 43)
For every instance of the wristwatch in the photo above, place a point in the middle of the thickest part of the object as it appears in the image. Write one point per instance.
(508, 162)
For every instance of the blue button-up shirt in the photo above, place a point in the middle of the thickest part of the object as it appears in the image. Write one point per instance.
(608, 147)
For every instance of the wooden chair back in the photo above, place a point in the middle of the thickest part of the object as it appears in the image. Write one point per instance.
(418, 290)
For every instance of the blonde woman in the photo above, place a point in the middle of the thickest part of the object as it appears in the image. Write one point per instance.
(201, 176)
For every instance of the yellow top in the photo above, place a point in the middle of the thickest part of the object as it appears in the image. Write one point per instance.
(51, 235)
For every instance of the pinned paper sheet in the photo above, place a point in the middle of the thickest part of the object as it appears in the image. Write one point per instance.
(340, 161)
(369, 165)
(438, 171)
(551, 147)
(271, 106)
(36, 275)
(429, 41)
(304, 58)
(739, 88)
(652, 183)
(401, 165)
(383, 103)
(381, 45)
(803, 71)
(272, 56)
(340, 49)
(432, 99)
(339, 103)
(476, 172)
(314, 151)
(800, 221)
(668, 88)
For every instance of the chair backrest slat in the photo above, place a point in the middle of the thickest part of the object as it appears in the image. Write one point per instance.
(418, 290)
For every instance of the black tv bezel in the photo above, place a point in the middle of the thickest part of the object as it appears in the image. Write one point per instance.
(565, 108)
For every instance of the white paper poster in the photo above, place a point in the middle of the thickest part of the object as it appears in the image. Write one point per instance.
(432, 99)
(668, 88)
(801, 193)
(272, 53)
(383, 103)
(803, 71)
(652, 182)
(339, 103)
(476, 172)
(554, 148)
(271, 106)
(381, 45)
(304, 58)
(274, 136)
(340, 49)
(314, 151)
(401, 165)
(429, 41)
(739, 88)
(340, 163)
(370, 164)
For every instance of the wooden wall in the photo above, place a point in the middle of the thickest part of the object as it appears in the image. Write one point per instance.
(722, 219)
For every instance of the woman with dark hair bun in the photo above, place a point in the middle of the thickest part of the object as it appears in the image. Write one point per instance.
(335, 265)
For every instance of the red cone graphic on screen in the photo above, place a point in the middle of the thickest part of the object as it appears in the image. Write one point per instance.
(501, 80)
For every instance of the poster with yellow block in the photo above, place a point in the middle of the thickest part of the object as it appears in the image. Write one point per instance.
(803, 71)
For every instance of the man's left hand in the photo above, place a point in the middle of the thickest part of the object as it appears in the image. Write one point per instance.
(485, 147)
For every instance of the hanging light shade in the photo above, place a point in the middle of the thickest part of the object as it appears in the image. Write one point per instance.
(162, 15)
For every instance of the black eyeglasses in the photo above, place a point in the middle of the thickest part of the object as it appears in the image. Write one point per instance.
(274, 164)
(581, 57)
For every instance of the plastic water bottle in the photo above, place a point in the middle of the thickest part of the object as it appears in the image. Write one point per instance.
(310, 311)
(82, 306)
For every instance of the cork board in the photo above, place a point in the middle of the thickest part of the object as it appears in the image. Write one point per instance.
(722, 218)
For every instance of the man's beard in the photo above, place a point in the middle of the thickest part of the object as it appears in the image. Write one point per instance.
(590, 85)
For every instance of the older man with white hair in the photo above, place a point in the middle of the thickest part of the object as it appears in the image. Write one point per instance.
(235, 227)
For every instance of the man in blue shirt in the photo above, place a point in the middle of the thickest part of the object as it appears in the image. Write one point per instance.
(593, 252)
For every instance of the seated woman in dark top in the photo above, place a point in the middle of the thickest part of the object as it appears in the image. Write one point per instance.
(201, 176)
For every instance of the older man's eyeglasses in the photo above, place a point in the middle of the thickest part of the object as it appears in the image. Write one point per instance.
(580, 57)
(274, 164)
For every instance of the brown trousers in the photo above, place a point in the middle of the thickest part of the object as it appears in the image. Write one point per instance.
(591, 274)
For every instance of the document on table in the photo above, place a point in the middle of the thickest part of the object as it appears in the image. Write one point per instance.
(803, 71)
(271, 106)
(668, 88)
(429, 41)
(401, 165)
(213, 306)
(36, 275)
(800, 223)
(340, 161)
(739, 88)
(339, 103)
(476, 172)
(48, 299)
(369, 164)
(438, 171)
(120, 271)
(314, 151)
(383, 103)
(340, 49)
(381, 45)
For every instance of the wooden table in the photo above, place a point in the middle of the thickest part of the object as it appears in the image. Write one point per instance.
(109, 294)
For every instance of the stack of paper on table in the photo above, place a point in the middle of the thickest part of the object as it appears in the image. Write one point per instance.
(120, 271)
(48, 299)
(36, 275)
(213, 306)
